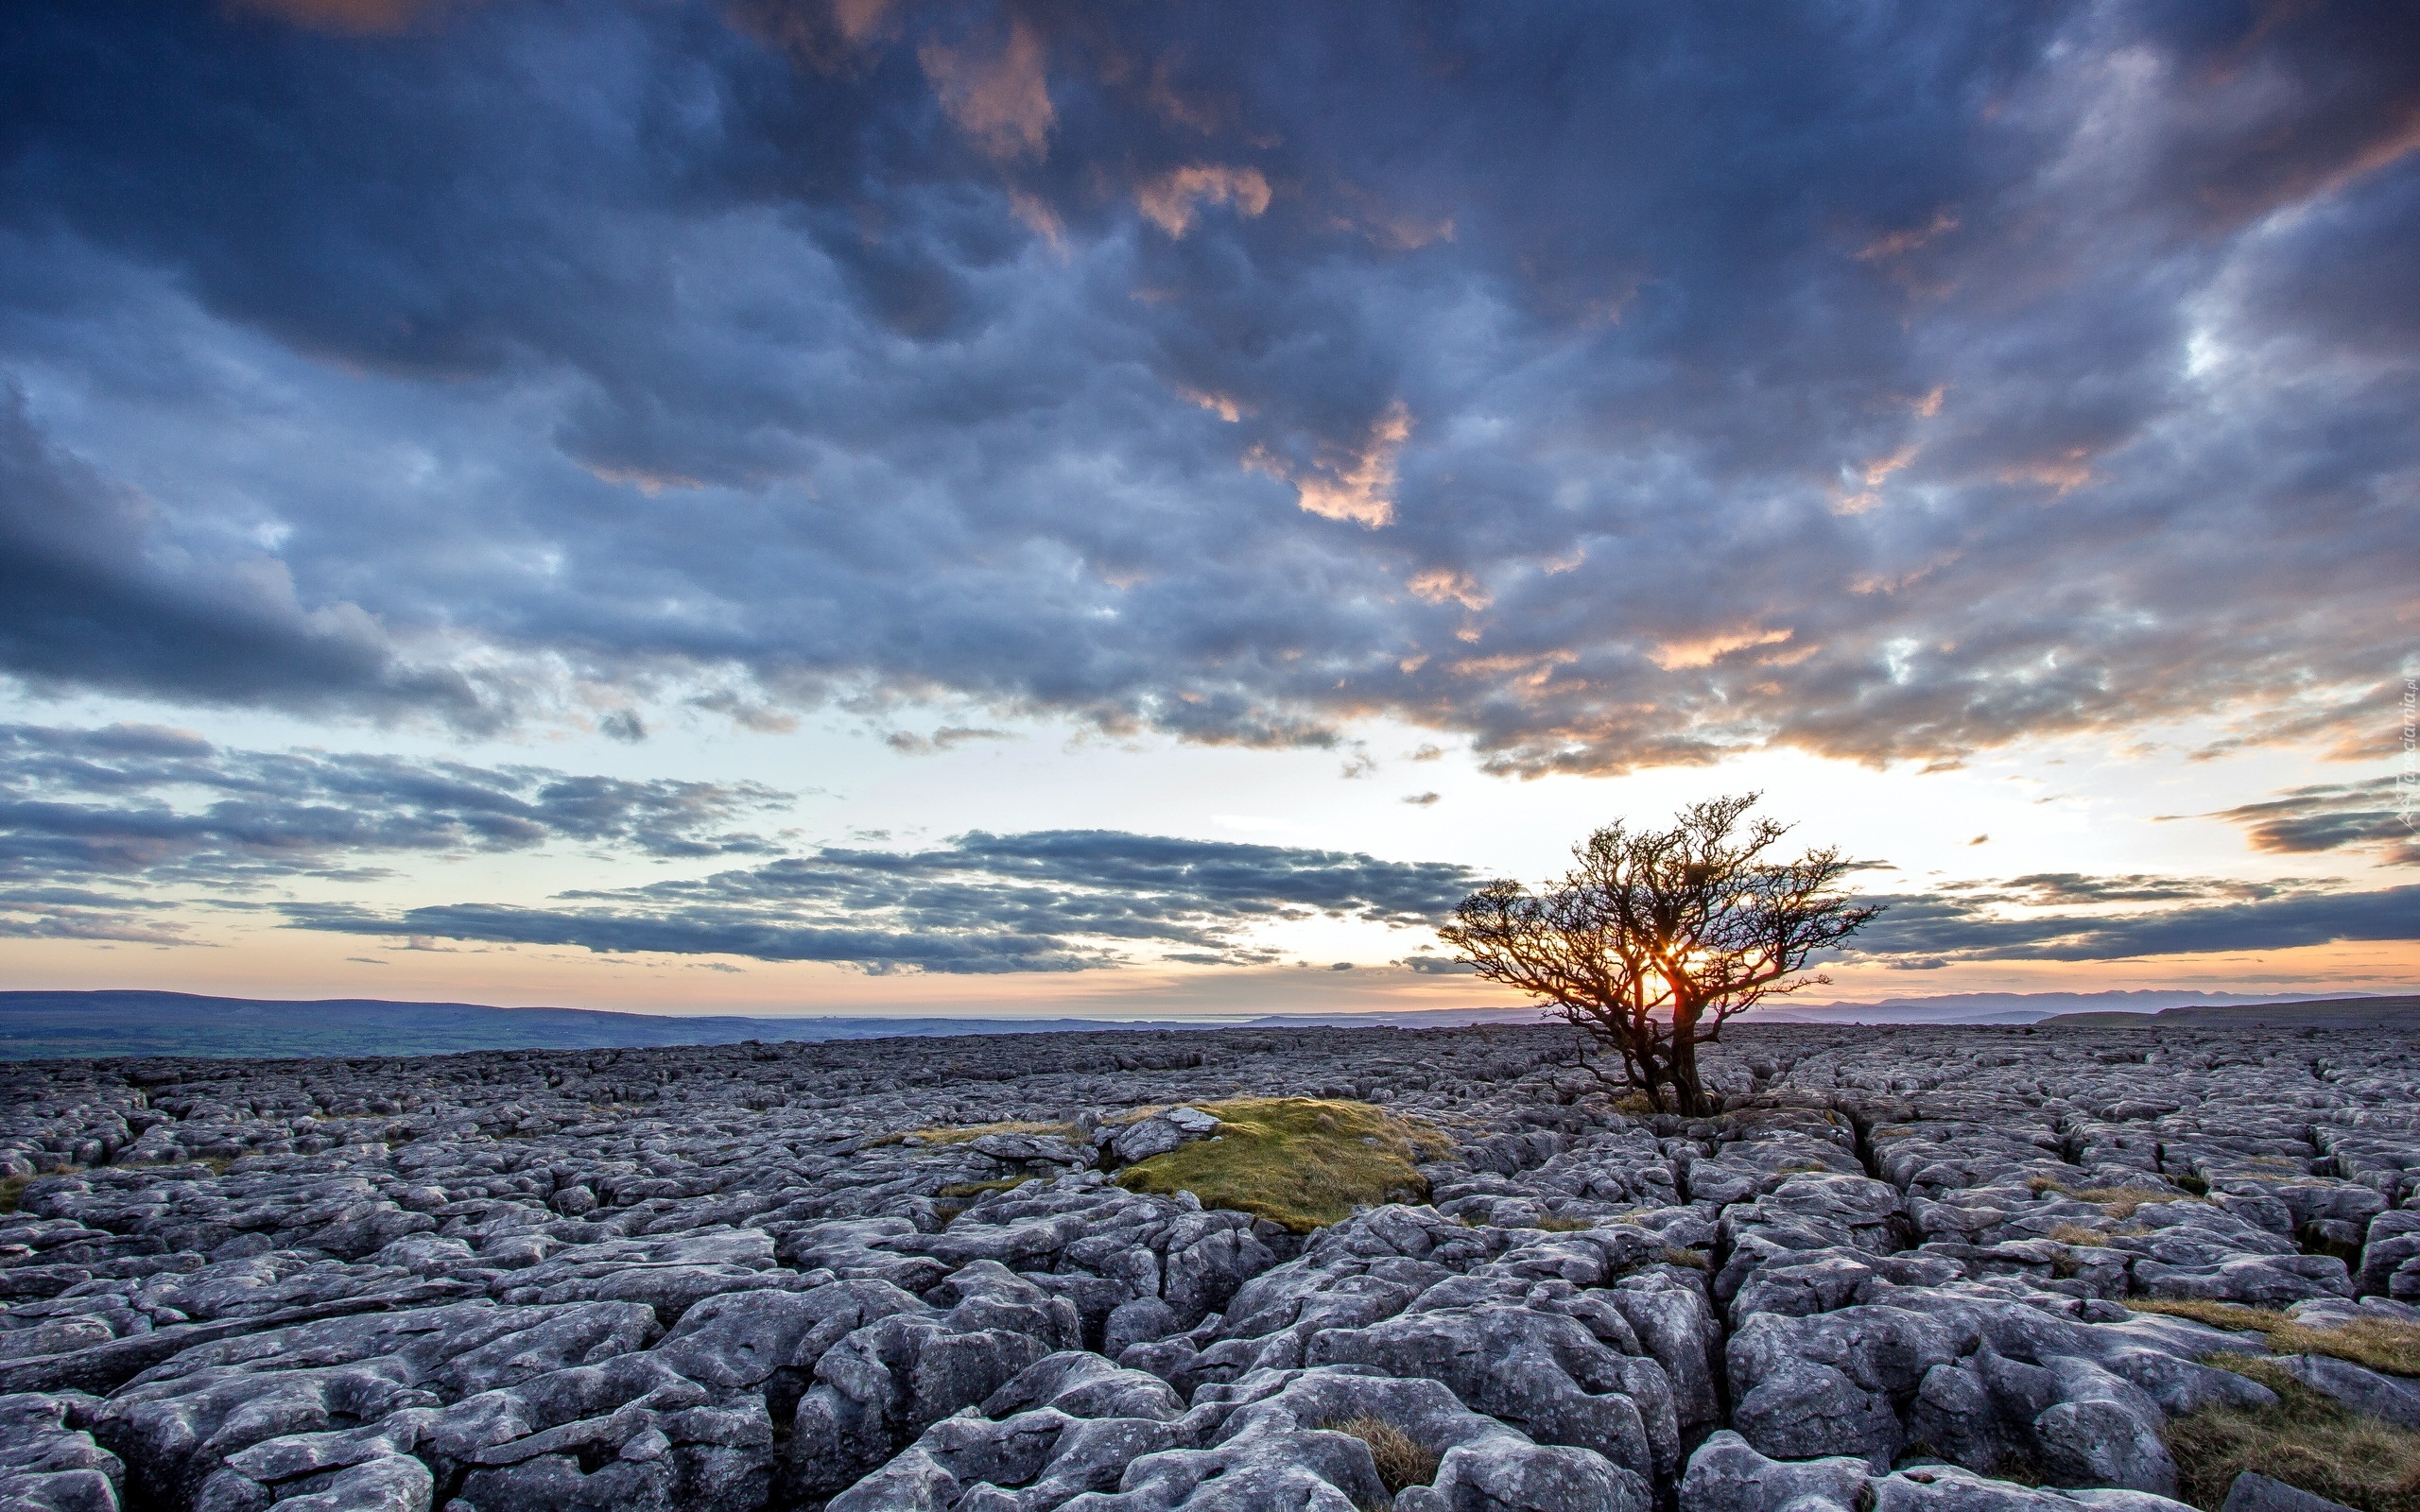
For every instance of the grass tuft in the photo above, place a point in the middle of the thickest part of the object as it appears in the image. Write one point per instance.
(1566, 1225)
(2121, 1202)
(2081, 1237)
(958, 1197)
(1304, 1162)
(2117, 1202)
(2306, 1440)
(2378, 1343)
(975, 1131)
(1692, 1258)
(12, 1188)
(973, 1191)
(2218, 1314)
(1402, 1459)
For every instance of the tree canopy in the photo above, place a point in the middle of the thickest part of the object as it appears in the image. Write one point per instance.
(1656, 939)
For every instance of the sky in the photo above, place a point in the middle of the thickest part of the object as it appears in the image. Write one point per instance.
(862, 506)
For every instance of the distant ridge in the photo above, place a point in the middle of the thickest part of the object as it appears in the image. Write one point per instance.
(40, 1026)
(54, 1025)
(2326, 1013)
(48, 1026)
(2011, 1007)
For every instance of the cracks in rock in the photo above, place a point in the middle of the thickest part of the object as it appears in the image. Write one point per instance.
(576, 1121)
(1862, 1128)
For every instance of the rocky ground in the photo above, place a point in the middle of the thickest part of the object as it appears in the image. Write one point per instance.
(719, 1279)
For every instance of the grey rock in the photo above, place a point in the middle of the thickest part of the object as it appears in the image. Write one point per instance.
(2255, 1492)
(1727, 1474)
(1540, 1372)
(1022, 1149)
(2363, 1391)
(1083, 1385)
(601, 1277)
(48, 1463)
(1137, 1321)
(1146, 1138)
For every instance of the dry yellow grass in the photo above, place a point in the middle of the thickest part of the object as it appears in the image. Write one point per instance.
(1402, 1459)
(2377, 1343)
(2076, 1233)
(2117, 1202)
(971, 1191)
(2306, 1440)
(12, 1188)
(1304, 1162)
(2121, 1202)
(960, 1134)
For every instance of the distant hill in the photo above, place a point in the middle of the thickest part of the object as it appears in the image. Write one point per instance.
(51, 1025)
(46, 1025)
(54, 1025)
(2008, 1007)
(2326, 1013)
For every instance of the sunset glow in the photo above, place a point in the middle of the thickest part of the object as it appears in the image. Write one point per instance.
(1132, 511)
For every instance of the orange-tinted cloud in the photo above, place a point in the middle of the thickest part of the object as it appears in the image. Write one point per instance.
(1705, 650)
(1873, 476)
(1358, 486)
(1169, 200)
(347, 17)
(1000, 100)
(1899, 243)
(861, 21)
(1442, 585)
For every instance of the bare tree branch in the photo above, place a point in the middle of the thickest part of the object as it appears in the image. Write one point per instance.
(1655, 939)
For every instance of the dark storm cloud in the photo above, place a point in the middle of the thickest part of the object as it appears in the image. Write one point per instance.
(90, 817)
(1048, 900)
(1935, 929)
(86, 601)
(708, 932)
(1067, 900)
(1608, 387)
(2046, 890)
(2375, 815)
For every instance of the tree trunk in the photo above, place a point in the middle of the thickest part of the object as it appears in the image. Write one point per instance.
(1653, 1079)
(1692, 1091)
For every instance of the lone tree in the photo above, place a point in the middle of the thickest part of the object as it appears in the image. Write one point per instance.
(1657, 939)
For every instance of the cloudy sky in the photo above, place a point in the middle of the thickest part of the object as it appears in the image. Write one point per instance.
(860, 505)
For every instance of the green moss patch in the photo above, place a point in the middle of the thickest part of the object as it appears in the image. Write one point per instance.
(2306, 1440)
(1304, 1162)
